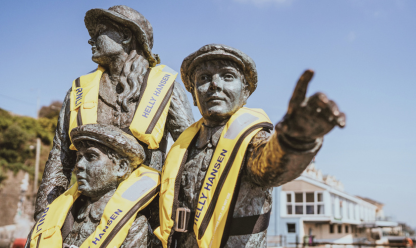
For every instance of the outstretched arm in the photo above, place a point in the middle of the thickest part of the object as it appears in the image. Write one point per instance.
(275, 160)
(180, 115)
(58, 168)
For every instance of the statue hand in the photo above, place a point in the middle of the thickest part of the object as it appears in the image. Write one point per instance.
(310, 118)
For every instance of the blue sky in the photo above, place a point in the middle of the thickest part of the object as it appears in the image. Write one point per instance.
(363, 53)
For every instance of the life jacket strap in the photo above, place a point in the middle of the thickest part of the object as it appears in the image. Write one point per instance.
(239, 225)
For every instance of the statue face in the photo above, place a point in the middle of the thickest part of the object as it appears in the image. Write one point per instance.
(96, 172)
(107, 42)
(219, 90)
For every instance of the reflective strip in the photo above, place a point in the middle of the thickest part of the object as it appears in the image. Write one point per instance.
(137, 189)
(169, 70)
(239, 124)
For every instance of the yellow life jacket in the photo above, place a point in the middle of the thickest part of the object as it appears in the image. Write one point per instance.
(149, 119)
(219, 185)
(131, 196)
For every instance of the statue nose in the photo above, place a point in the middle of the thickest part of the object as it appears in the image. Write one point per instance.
(91, 42)
(215, 83)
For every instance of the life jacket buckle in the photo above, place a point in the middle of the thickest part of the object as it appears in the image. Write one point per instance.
(182, 218)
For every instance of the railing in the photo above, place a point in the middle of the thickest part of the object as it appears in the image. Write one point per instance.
(277, 241)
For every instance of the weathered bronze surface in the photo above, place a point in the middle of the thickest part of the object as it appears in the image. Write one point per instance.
(105, 158)
(121, 40)
(221, 79)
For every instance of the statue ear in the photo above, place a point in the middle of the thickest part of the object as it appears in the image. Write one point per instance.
(127, 35)
(123, 168)
(194, 98)
(246, 91)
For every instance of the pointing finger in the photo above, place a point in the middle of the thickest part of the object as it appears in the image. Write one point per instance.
(299, 93)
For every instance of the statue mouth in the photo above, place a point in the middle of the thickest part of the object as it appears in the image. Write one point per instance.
(93, 49)
(215, 99)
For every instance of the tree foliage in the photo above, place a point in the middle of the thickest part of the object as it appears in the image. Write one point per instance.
(18, 138)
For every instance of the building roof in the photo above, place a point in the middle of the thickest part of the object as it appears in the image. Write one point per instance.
(379, 204)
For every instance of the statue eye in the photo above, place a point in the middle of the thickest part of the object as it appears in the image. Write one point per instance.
(229, 77)
(91, 156)
(204, 77)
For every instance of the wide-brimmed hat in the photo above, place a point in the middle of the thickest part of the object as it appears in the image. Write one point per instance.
(112, 137)
(214, 52)
(130, 18)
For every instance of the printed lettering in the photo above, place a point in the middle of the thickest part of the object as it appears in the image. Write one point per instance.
(200, 209)
(217, 165)
(223, 152)
(113, 217)
(220, 159)
(197, 215)
(109, 222)
(145, 114)
(95, 241)
(101, 235)
(203, 196)
(118, 211)
(213, 173)
(211, 179)
(79, 90)
(148, 109)
(202, 203)
(207, 187)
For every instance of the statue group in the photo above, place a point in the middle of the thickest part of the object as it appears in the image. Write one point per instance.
(213, 188)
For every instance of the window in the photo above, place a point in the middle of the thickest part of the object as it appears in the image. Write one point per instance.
(299, 209)
(310, 197)
(289, 209)
(346, 229)
(291, 227)
(310, 209)
(310, 203)
(298, 197)
(339, 228)
(331, 228)
(320, 209)
(320, 197)
(289, 197)
(289, 205)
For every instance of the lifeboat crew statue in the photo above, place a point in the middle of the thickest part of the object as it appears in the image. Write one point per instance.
(104, 208)
(218, 176)
(128, 90)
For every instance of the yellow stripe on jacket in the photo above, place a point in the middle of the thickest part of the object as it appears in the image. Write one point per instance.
(149, 120)
(131, 196)
(220, 181)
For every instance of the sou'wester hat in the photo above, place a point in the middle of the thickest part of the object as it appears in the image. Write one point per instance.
(112, 137)
(131, 19)
(217, 51)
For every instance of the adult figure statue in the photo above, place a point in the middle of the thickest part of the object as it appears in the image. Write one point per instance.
(218, 176)
(104, 208)
(127, 91)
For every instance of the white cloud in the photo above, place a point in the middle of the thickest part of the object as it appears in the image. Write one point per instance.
(263, 2)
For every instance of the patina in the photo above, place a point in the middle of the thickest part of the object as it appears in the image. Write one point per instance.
(221, 79)
(104, 159)
(121, 41)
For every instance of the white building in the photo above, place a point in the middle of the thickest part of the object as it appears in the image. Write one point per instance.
(316, 205)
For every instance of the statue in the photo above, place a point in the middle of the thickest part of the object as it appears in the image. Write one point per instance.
(218, 176)
(105, 207)
(127, 81)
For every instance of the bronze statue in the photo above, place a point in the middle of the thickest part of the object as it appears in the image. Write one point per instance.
(220, 79)
(121, 40)
(110, 175)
